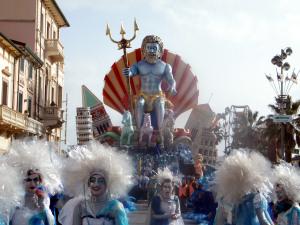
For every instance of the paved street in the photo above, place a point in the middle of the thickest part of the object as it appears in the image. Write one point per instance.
(141, 216)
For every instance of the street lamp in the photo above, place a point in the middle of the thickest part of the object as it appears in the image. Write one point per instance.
(284, 84)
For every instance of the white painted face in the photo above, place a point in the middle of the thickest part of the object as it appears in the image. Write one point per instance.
(167, 190)
(280, 192)
(32, 182)
(97, 184)
(152, 52)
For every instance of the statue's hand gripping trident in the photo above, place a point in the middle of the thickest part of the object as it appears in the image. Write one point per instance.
(123, 44)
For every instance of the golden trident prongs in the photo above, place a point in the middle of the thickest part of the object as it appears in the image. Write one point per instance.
(123, 44)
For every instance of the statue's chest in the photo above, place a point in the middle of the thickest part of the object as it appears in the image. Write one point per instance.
(153, 70)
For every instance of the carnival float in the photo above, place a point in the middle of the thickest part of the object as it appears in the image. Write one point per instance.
(149, 104)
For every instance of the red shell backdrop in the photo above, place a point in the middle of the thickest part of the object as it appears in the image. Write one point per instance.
(115, 93)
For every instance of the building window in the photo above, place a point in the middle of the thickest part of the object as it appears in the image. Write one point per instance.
(20, 102)
(52, 95)
(40, 86)
(48, 30)
(46, 85)
(4, 92)
(30, 71)
(42, 23)
(60, 96)
(206, 142)
(29, 105)
(194, 133)
(22, 64)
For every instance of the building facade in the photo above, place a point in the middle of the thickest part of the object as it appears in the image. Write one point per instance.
(84, 125)
(34, 27)
(18, 65)
(199, 123)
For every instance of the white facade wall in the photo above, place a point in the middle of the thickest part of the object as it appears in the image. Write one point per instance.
(84, 125)
(7, 62)
(203, 140)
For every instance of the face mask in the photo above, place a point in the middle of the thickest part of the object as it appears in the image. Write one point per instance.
(152, 52)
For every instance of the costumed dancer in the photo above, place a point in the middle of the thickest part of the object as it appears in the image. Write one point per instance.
(11, 192)
(198, 165)
(96, 176)
(165, 207)
(204, 206)
(33, 161)
(243, 181)
(287, 189)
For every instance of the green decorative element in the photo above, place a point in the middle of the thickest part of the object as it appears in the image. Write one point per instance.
(127, 130)
(112, 135)
(88, 98)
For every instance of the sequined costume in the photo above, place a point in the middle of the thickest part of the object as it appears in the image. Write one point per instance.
(287, 189)
(2, 221)
(290, 217)
(161, 207)
(26, 216)
(247, 211)
(112, 213)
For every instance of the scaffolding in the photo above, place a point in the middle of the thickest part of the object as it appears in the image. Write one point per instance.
(231, 118)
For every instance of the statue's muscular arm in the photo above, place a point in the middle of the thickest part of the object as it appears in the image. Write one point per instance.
(170, 79)
(134, 70)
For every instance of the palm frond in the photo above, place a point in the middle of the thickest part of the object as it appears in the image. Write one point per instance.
(274, 108)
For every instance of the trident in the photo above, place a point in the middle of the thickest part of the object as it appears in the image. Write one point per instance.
(123, 44)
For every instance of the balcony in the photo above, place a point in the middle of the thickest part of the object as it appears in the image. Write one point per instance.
(14, 122)
(34, 126)
(54, 50)
(11, 120)
(52, 117)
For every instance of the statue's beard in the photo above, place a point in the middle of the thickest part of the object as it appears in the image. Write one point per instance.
(151, 58)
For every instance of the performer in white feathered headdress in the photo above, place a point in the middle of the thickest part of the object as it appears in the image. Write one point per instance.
(11, 192)
(242, 181)
(287, 188)
(165, 207)
(99, 174)
(32, 159)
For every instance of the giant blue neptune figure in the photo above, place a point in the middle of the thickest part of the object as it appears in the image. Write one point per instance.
(152, 71)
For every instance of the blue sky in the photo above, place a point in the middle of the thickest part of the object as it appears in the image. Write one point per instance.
(229, 45)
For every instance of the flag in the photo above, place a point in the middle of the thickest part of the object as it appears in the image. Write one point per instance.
(269, 78)
(294, 78)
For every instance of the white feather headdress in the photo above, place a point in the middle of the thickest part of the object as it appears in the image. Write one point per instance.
(36, 155)
(241, 173)
(289, 177)
(11, 188)
(166, 174)
(83, 161)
